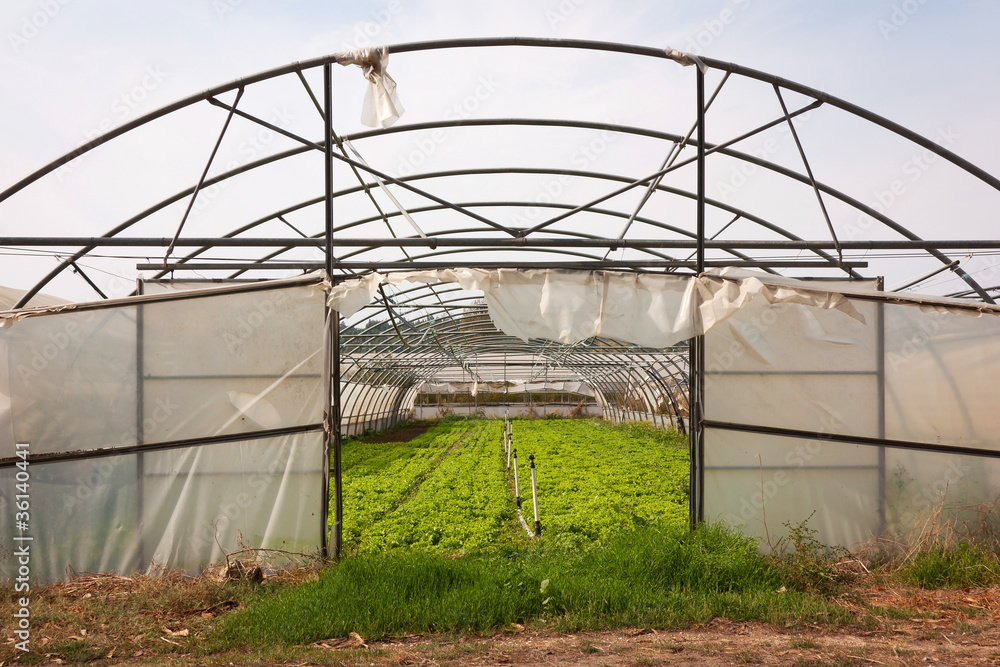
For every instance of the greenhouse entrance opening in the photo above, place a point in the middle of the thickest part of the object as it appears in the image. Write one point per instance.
(178, 383)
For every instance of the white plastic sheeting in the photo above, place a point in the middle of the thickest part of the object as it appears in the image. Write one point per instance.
(204, 380)
(228, 386)
(918, 372)
(10, 296)
(652, 310)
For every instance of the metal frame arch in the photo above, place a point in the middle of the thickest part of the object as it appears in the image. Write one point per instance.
(211, 95)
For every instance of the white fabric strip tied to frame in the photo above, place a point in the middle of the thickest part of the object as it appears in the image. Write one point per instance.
(381, 107)
(651, 310)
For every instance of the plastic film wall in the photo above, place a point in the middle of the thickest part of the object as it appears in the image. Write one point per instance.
(915, 376)
(207, 411)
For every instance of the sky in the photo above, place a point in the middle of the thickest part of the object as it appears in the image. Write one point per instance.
(71, 69)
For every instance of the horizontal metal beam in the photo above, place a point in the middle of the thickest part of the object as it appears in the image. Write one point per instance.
(498, 242)
(423, 266)
(853, 439)
(86, 454)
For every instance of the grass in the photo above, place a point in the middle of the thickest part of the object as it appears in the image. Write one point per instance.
(964, 566)
(655, 577)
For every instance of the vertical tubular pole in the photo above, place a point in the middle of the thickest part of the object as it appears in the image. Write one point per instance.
(880, 366)
(328, 164)
(338, 486)
(332, 372)
(534, 496)
(517, 489)
(140, 436)
(327, 369)
(697, 348)
(701, 169)
(510, 447)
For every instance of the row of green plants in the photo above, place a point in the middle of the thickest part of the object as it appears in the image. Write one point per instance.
(448, 489)
(379, 476)
(462, 506)
(597, 480)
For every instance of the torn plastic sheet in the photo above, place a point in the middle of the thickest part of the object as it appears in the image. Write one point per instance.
(652, 310)
(381, 106)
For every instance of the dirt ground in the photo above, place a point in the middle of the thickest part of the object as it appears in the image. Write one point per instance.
(404, 434)
(721, 643)
(945, 627)
(919, 627)
(897, 625)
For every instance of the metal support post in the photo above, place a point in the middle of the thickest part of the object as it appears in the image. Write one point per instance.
(696, 362)
(534, 496)
(880, 369)
(332, 370)
(517, 489)
(140, 436)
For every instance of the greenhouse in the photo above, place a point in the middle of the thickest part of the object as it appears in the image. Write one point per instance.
(244, 278)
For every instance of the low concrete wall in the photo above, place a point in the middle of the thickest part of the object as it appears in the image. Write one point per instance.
(514, 410)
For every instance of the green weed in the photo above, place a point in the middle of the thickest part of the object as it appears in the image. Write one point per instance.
(648, 578)
(808, 566)
(965, 565)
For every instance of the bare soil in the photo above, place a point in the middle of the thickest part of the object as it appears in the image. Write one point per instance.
(404, 434)
(721, 643)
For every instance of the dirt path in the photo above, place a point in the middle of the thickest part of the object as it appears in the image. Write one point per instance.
(721, 643)
(956, 627)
